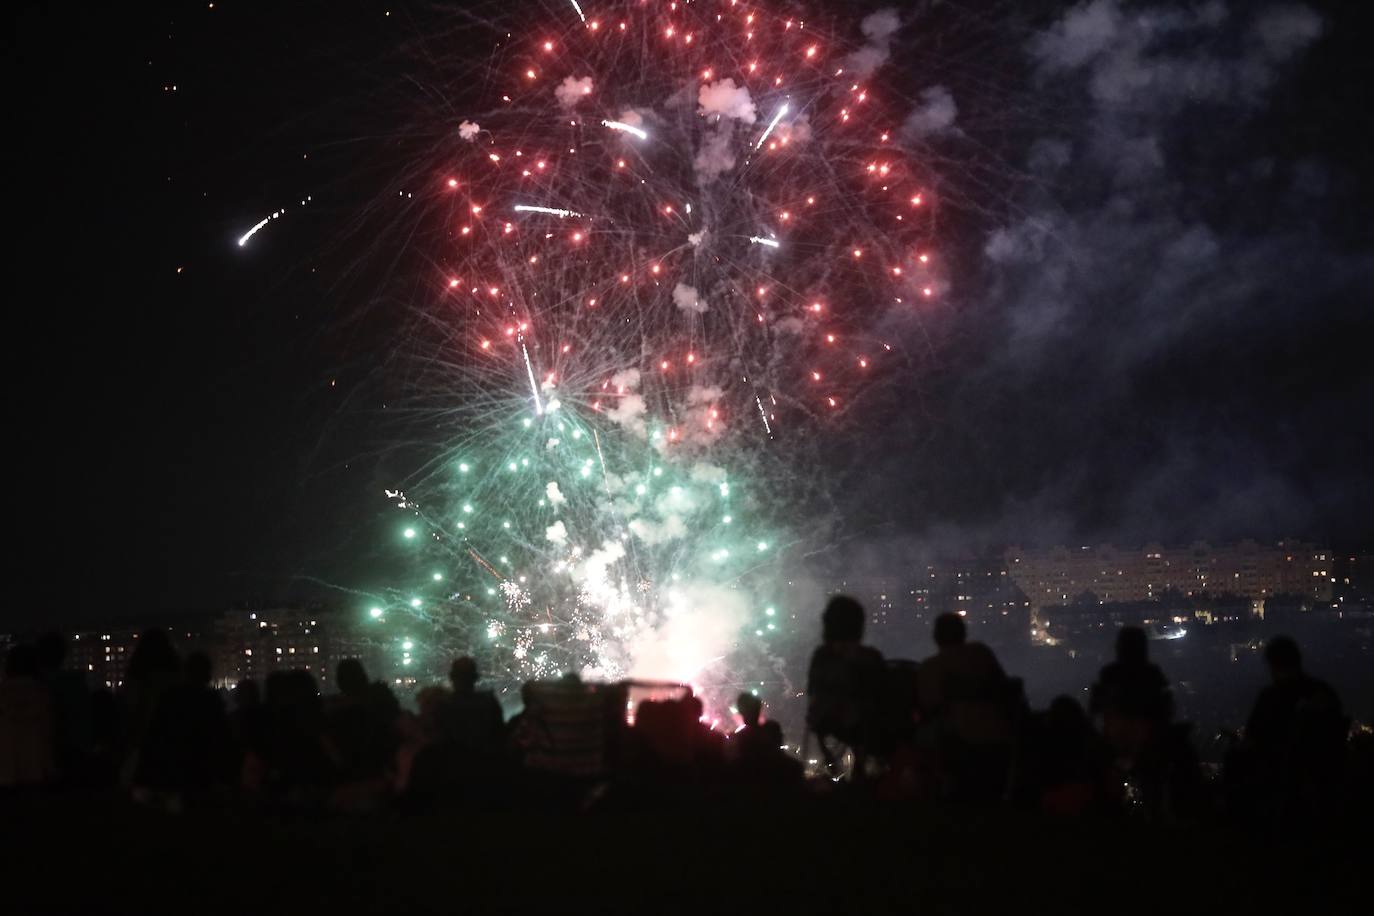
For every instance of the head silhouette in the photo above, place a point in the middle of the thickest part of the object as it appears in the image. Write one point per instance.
(351, 677)
(1131, 648)
(843, 620)
(247, 694)
(430, 701)
(52, 651)
(1283, 657)
(1066, 713)
(22, 661)
(750, 708)
(950, 631)
(154, 656)
(197, 669)
(462, 674)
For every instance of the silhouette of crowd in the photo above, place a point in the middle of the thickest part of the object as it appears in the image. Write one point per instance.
(954, 728)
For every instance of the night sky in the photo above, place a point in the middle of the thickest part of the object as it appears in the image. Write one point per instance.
(1159, 328)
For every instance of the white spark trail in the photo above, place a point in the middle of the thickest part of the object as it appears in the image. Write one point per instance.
(275, 214)
(605, 477)
(771, 124)
(243, 239)
(534, 387)
(759, 240)
(627, 128)
(552, 211)
(580, 14)
(763, 413)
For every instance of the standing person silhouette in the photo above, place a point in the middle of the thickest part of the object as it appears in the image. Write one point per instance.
(844, 684)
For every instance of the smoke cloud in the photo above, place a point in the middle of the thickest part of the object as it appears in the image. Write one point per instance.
(934, 113)
(686, 298)
(573, 90)
(878, 28)
(1137, 318)
(727, 100)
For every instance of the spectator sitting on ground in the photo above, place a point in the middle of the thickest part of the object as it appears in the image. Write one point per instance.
(756, 748)
(1065, 761)
(744, 742)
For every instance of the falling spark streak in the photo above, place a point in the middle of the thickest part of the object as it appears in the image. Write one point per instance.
(771, 124)
(481, 561)
(759, 240)
(627, 128)
(764, 414)
(243, 240)
(534, 386)
(605, 478)
(552, 211)
(580, 14)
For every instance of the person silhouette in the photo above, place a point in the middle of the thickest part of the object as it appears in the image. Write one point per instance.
(473, 719)
(844, 684)
(361, 723)
(756, 753)
(1295, 739)
(1131, 693)
(74, 729)
(26, 722)
(964, 697)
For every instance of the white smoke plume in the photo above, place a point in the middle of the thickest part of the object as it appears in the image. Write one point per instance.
(700, 424)
(726, 99)
(670, 528)
(700, 626)
(707, 473)
(715, 156)
(794, 132)
(1157, 60)
(557, 533)
(686, 298)
(468, 130)
(596, 565)
(934, 113)
(555, 495)
(573, 90)
(629, 409)
(878, 27)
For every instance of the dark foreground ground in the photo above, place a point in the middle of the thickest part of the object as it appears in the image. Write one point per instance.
(831, 855)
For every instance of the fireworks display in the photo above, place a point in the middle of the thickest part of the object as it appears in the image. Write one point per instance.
(664, 236)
